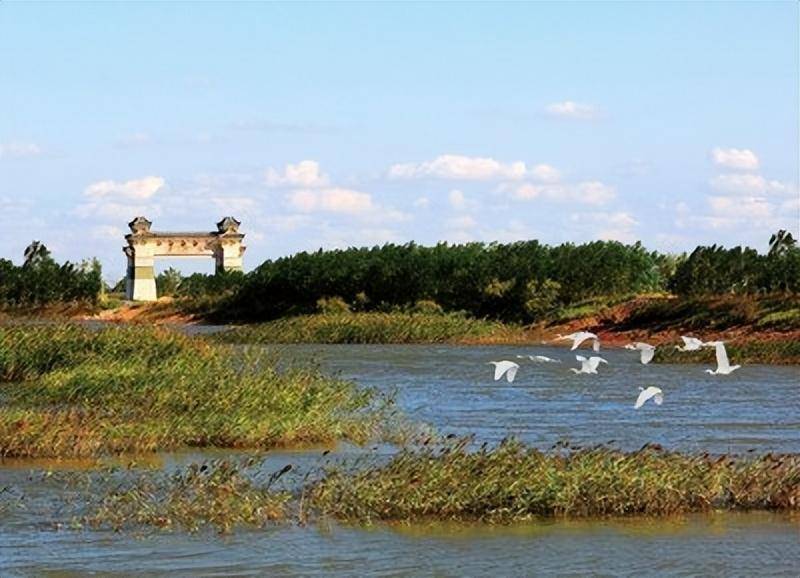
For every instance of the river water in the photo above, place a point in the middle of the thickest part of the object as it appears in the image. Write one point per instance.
(451, 389)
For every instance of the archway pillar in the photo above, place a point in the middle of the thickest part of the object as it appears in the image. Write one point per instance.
(140, 282)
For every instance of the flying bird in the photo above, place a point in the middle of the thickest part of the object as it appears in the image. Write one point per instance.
(579, 337)
(588, 365)
(647, 351)
(507, 368)
(690, 344)
(539, 358)
(723, 365)
(651, 392)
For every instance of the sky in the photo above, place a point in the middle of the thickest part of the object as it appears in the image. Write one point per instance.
(334, 125)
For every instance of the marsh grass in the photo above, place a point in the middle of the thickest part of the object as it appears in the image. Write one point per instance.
(75, 392)
(218, 494)
(512, 482)
(397, 327)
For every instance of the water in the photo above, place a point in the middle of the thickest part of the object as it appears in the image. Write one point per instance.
(451, 388)
(756, 408)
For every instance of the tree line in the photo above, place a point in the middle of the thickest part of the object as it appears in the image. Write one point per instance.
(40, 280)
(521, 281)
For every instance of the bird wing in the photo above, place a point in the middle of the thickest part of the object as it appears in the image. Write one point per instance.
(511, 373)
(692, 342)
(644, 395)
(722, 357)
(647, 355)
(596, 345)
(595, 361)
(500, 367)
(580, 358)
(580, 337)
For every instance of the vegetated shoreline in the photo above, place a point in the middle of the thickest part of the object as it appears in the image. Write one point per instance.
(756, 330)
(438, 481)
(71, 391)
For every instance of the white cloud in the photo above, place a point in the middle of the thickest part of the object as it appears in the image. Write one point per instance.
(422, 202)
(459, 167)
(545, 173)
(333, 200)
(303, 174)
(741, 159)
(457, 199)
(17, 150)
(137, 189)
(589, 192)
(740, 207)
(749, 185)
(571, 109)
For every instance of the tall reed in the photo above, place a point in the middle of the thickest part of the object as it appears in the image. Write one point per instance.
(514, 482)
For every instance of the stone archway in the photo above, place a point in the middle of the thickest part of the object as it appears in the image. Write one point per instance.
(144, 245)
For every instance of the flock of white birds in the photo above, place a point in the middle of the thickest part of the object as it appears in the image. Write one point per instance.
(590, 364)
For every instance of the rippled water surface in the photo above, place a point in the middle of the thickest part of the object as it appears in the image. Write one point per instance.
(756, 407)
(451, 388)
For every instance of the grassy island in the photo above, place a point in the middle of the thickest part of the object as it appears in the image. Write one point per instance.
(69, 391)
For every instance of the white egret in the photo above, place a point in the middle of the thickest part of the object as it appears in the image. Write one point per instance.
(651, 392)
(723, 365)
(588, 365)
(509, 368)
(579, 337)
(690, 344)
(539, 358)
(647, 351)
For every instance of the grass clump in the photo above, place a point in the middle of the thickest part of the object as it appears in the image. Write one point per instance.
(398, 327)
(512, 482)
(80, 393)
(216, 494)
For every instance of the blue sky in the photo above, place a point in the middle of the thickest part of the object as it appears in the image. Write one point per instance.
(329, 125)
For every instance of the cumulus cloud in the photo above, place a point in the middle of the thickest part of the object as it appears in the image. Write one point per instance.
(571, 109)
(749, 184)
(459, 167)
(545, 173)
(422, 202)
(137, 189)
(740, 207)
(303, 174)
(589, 192)
(18, 150)
(333, 200)
(740, 159)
